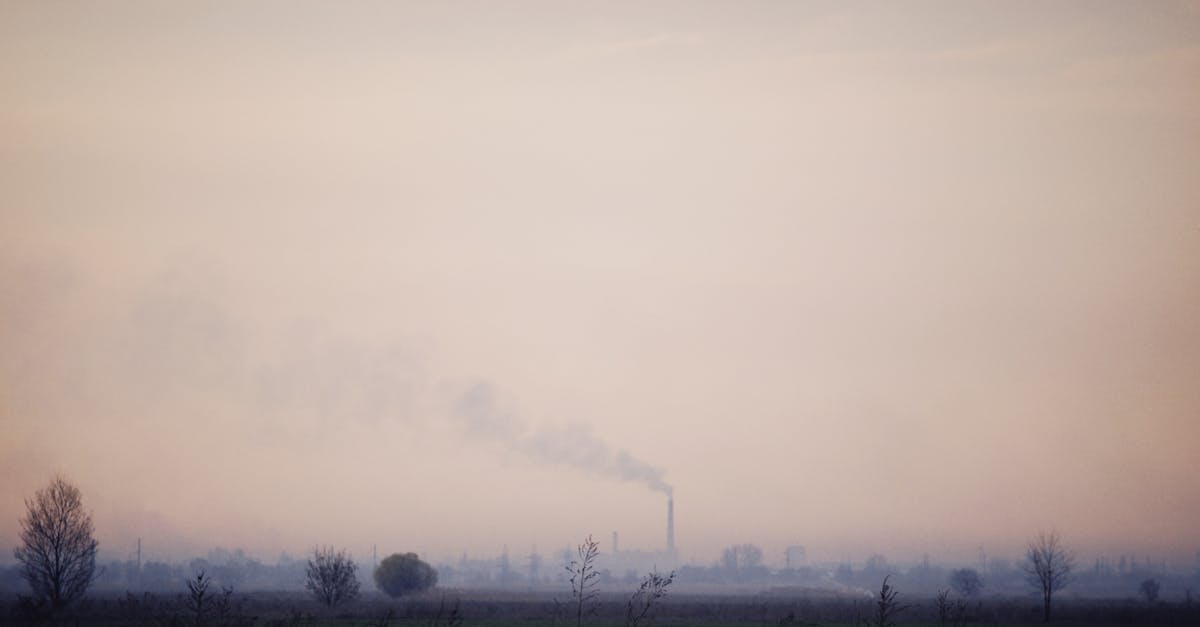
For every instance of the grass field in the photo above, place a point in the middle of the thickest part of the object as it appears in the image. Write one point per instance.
(529, 609)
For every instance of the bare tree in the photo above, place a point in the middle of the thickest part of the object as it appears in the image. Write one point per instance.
(1048, 566)
(331, 576)
(942, 602)
(1149, 590)
(223, 604)
(887, 606)
(742, 562)
(583, 579)
(198, 598)
(58, 550)
(741, 557)
(966, 581)
(950, 613)
(653, 588)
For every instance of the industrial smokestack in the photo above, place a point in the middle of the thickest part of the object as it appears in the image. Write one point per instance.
(671, 525)
(616, 547)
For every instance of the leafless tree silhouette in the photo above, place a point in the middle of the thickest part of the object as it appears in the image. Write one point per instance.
(223, 604)
(1048, 566)
(653, 588)
(741, 557)
(331, 576)
(1149, 589)
(583, 579)
(887, 606)
(952, 613)
(942, 602)
(966, 581)
(58, 550)
(198, 598)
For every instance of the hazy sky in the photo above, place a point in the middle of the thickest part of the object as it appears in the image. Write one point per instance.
(897, 277)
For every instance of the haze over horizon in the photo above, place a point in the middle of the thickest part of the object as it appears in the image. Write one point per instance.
(444, 277)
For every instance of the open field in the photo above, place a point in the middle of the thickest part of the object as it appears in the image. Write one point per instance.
(503, 608)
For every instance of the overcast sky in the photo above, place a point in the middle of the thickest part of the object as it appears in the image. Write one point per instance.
(869, 277)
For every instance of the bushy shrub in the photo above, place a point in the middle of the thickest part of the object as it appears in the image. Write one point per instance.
(400, 573)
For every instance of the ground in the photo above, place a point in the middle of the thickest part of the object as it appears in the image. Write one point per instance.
(528, 609)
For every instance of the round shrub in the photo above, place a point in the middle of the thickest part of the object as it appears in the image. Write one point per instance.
(400, 574)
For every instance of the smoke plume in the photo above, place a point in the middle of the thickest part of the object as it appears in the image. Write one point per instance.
(570, 445)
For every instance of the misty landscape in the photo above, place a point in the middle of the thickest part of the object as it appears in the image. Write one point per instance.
(599, 313)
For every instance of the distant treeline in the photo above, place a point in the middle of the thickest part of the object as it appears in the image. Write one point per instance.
(1113, 579)
(227, 568)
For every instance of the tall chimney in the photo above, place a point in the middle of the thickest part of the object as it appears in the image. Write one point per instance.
(671, 525)
(616, 547)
